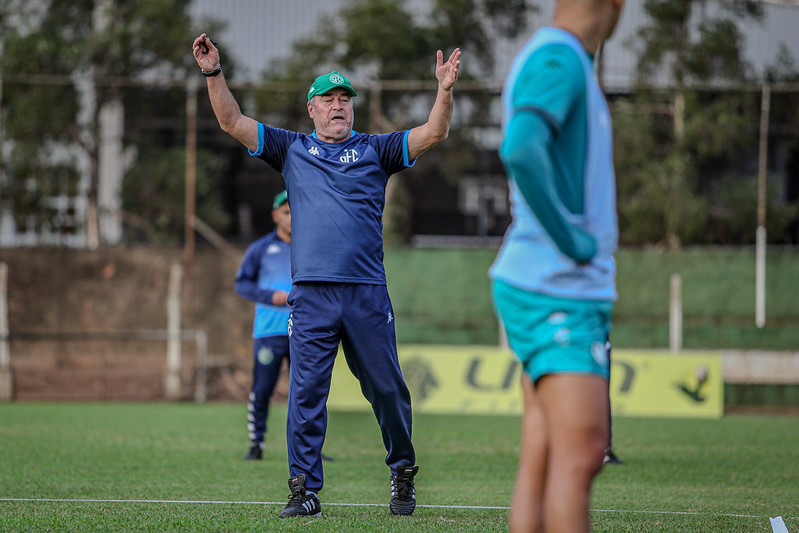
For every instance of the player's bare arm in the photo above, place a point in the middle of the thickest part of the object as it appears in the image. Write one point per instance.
(227, 110)
(436, 129)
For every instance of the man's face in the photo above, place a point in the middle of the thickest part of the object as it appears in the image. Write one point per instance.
(332, 115)
(282, 218)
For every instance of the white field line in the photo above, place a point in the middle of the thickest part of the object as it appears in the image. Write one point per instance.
(235, 502)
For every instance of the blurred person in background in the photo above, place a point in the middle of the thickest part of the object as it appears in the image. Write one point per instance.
(264, 277)
(554, 279)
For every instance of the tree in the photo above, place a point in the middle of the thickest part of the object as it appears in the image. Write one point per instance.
(153, 196)
(699, 44)
(785, 113)
(384, 40)
(696, 40)
(78, 55)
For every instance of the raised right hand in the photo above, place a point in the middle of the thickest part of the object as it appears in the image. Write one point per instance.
(205, 53)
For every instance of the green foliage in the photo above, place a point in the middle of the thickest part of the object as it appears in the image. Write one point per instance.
(403, 49)
(733, 220)
(139, 35)
(784, 68)
(96, 45)
(406, 42)
(730, 474)
(692, 192)
(717, 53)
(654, 183)
(154, 194)
(362, 46)
(719, 125)
(684, 180)
(713, 52)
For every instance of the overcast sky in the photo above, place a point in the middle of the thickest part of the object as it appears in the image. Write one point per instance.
(261, 30)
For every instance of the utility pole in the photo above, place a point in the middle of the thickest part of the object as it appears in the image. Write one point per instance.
(762, 193)
(191, 174)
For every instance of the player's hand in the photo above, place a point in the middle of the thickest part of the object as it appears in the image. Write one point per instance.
(447, 73)
(280, 298)
(585, 248)
(205, 53)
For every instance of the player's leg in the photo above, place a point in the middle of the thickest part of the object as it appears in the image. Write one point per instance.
(520, 316)
(313, 340)
(526, 505)
(610, 456)
(257, 404)
(370, 347)
(268, 354)
(575, 407)
(561, 341)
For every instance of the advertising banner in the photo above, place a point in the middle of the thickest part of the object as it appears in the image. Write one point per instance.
(485, 380)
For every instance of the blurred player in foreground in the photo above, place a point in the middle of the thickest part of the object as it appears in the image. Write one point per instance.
(336, 180)
(264, 277)
(554, 278)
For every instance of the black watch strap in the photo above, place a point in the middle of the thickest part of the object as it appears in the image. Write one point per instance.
(215, 72)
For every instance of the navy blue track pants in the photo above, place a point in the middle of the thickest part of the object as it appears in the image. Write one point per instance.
(268, 354)
(361, 318)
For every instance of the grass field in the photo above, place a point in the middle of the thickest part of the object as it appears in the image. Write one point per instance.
(178, 467)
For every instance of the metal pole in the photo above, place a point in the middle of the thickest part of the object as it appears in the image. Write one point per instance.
(675, 314)
(1, 129)
(6, 375)
(201, 387)
(172, 379)
(191, 172)
(762, 192)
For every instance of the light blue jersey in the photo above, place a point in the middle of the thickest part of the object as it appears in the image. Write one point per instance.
(581, 159)
(266, 268)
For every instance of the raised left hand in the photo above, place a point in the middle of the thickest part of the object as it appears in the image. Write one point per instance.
(447, 73)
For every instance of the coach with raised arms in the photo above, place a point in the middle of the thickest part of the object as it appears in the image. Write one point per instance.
(336, 181)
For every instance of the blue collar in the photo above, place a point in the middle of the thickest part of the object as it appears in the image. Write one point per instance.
(313, 134)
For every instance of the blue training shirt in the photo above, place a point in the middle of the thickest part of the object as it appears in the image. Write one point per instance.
(337, 193)
(266, 268)
(553, 78)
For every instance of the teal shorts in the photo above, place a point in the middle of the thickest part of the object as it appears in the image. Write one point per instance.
(553, 335)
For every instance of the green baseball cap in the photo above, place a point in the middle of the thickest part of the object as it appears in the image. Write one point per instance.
(280, 198)
(327, 82)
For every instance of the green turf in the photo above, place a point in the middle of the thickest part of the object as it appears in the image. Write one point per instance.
(680, 475)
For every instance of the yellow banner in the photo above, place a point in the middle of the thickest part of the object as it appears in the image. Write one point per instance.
(485, 380)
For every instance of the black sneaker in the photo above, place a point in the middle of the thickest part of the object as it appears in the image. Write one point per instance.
(611, 458)
(403, 493)
(300, 503)
(256, 452)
